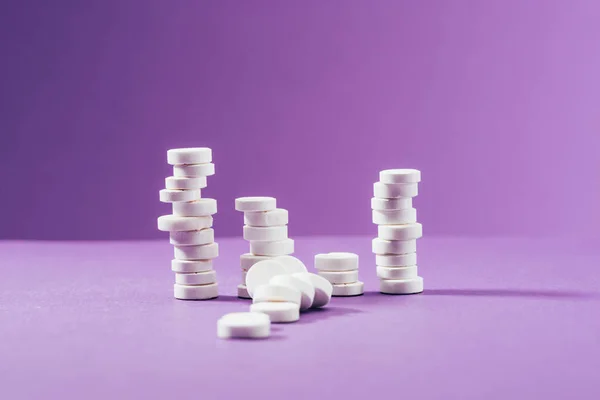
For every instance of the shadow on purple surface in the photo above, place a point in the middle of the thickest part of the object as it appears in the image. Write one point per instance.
(229, 299)
(320, 314)
(526, 293)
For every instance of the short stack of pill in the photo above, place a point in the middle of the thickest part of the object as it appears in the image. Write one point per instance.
(341, 270)
(190, 224)
(395, 247)
(265, 227)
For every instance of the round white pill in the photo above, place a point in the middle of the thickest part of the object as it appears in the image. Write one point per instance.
(261, 273)
(382, 246)
(191, 155)
(292, 264)
(394, 190)
(246, 325)
(196, 278)
(175, 196)
(348, 289)
(255, 203)
(174, 223)
(244, 273)
(279, 248)
(278, 312)
(198, 292)
(395, 217)
(337, 277)
(265, 233)
(203, 252)
(276, 293)
(336, 261)
(323, 288)
(247, 260)
(188, 266)
(306, 289)
(401, 175)
(401, 286)
(397, 272)
(197, 208)
(276, 217)
(194, 170)
(400, 203)
(174, 182)
(242, 292)
(192, 238)
(400, 232)
(396, 260)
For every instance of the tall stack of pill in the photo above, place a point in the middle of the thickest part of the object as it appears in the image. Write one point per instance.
(341, 270)
(190, 224)
(395, 247)
(265, 227)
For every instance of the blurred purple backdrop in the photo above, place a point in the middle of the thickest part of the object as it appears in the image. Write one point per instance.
(496, 102)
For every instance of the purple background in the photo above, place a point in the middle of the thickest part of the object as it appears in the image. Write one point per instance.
(495, 101)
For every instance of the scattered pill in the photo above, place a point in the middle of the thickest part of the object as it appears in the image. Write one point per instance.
(276, 217)
(394, 190)
(197, 208)
(192, 155)
(255, 204)
(292, 264)
(306, 289)
(401, 286)
(278, 312)
(174, 223)
(261, 273)
(336, 261)
(174, 196)
(348, 289)
(247, 325)
(272, 292)
(197, 292)
(323, 288)
(203, 252)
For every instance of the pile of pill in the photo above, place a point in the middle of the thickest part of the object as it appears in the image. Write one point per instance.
(395, 247)
(190, 224)
(341, 270)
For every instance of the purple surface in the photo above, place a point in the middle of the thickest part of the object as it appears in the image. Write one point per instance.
(500, 319)
(496, 101)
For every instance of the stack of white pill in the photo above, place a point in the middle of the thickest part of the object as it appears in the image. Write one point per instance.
(190, 224)
(395, 247)
(341, 270)
(265, 227)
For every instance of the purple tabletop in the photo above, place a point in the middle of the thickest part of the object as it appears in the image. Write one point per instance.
(500, 319)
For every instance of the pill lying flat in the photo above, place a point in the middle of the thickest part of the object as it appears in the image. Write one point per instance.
(248, 259)
(323, 288)
(276, 217)
(395, 217)
(278, 312)
(401, 175)
(194, 170)
(192, 238)
(255, 203)
(349, 289)
(174, 196)
(196, 278)
(400, 232)
(197, 208)
(191, 155)
(336, 261)
(338, 277)
(396, 260)
(198, 292)
(397, 272)
(261, 273)
(279, 248)
(400, 203)
(401, 286)
(382, 246)
(394, 190)
(242, 292)
(265, 233)
(246, 325)
(276, 293)
(188, 266)
(306, 289)
(182, 183)
(203, 252)
(292, 264)
(174, 223)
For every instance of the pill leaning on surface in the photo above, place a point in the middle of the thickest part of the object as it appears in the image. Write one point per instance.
(278, 312)
(323, 288)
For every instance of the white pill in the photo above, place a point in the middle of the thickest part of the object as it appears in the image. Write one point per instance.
(278, 312)
(244, 273)
(244, 325)
(382, 246)
(203, 252)
(248, 259)
(196, 278)
(188, 266)
(242, 292)
(401, 175)
(276, 293)
(323, 288)
(197, 208)
(394, 190)
(191, 155)
(174, 223)
(395, 217)
(197, 292)
(292, 264)
(276, 217)
(337, 277)
(400, 232)
(255, 203)
(397, 272)
(400, 203)
(280, 248)
(396, 260)
(401, 286)
(306, 289)
(336, 261)
(261, 273)
(194, 170)
(182, 183)
(348, 289)
(192, 238)
(265, 233)
(175, 196)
